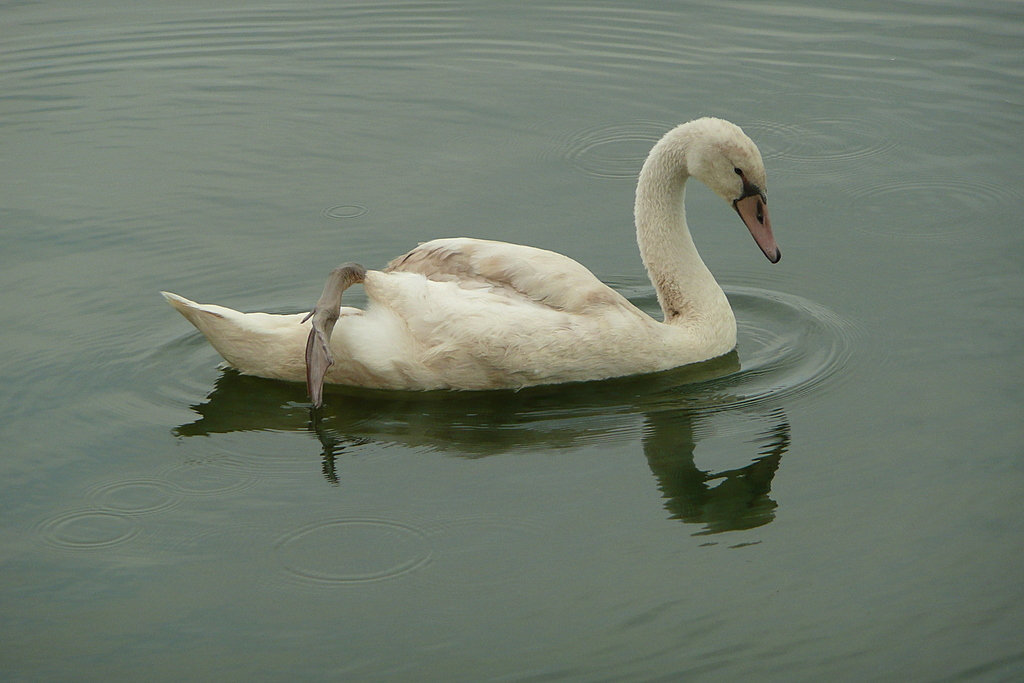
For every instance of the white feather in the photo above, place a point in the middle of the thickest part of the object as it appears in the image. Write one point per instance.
(463, 313)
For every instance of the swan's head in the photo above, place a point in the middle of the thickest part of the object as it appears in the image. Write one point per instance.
(720, 155)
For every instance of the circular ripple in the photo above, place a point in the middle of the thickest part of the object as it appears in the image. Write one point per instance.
(831, 140)
(203, 479)
(344, 211)
(136, 497)
(613, 151)
(353, 551)
(954, 202)
(775, 140)
(788, 346)
(619, 150)
(88, 530)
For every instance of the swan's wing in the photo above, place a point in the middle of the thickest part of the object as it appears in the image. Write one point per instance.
(543, 276)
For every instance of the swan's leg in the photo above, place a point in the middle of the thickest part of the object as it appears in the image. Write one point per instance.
(325, 315)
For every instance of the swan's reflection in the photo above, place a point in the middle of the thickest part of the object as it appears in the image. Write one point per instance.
(670, 404)
(722, 501)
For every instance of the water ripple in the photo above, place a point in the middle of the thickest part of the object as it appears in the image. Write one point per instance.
(788, 346)
(136, 497)
(367, 30)
(353, 550)
(613, 150)
(618, 150)
(807, 146)
(946, 204)
(199, 478)
(88, 530)
(344, 211)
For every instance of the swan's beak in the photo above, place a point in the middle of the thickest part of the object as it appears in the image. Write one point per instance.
(754, 212)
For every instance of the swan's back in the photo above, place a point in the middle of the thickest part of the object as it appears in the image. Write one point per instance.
(542, 276)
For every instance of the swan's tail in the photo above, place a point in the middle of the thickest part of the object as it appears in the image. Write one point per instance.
(253, 343)
(200, 315)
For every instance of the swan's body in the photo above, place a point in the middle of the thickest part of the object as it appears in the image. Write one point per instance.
(541, 319)
(473, 314)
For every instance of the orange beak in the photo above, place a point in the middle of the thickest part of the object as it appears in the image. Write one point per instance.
(753, 210)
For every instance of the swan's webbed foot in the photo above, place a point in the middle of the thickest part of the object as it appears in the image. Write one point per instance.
(324, 315)
(318, 358)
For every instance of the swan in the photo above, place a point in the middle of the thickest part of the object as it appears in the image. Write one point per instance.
(472, 314)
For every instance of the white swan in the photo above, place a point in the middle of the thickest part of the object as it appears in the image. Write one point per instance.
(473, 314)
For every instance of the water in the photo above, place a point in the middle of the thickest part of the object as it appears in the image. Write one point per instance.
(838, 498)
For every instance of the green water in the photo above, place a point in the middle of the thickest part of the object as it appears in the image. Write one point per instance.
(839, 499)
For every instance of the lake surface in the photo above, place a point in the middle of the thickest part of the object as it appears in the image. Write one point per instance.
(838, 499)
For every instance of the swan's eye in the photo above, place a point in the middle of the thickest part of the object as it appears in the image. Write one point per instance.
(738, 172)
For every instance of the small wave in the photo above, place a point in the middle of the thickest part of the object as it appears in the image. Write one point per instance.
(945, 204)
(806, 146)
(135, 496)
(88, 530)
(344, 211)
(788, 346)
(614, 150)
(353, 550)
(202, 478)
(367, 30)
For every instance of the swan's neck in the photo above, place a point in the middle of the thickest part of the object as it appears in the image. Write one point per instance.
(687, 291)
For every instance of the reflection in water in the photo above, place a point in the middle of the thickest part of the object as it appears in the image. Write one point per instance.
(480, 424)
(738, 501)
(332, 448)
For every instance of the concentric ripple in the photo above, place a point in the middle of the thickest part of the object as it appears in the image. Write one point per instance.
(956, 202)
(346, 551)
(344, 211)
(136, 497)
(205, 479)
(618, 150)
(612, 151)
(836, 142)
(88, 530)
(788, 347)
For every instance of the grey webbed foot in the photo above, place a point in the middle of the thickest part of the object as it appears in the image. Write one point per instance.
(324, 315)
